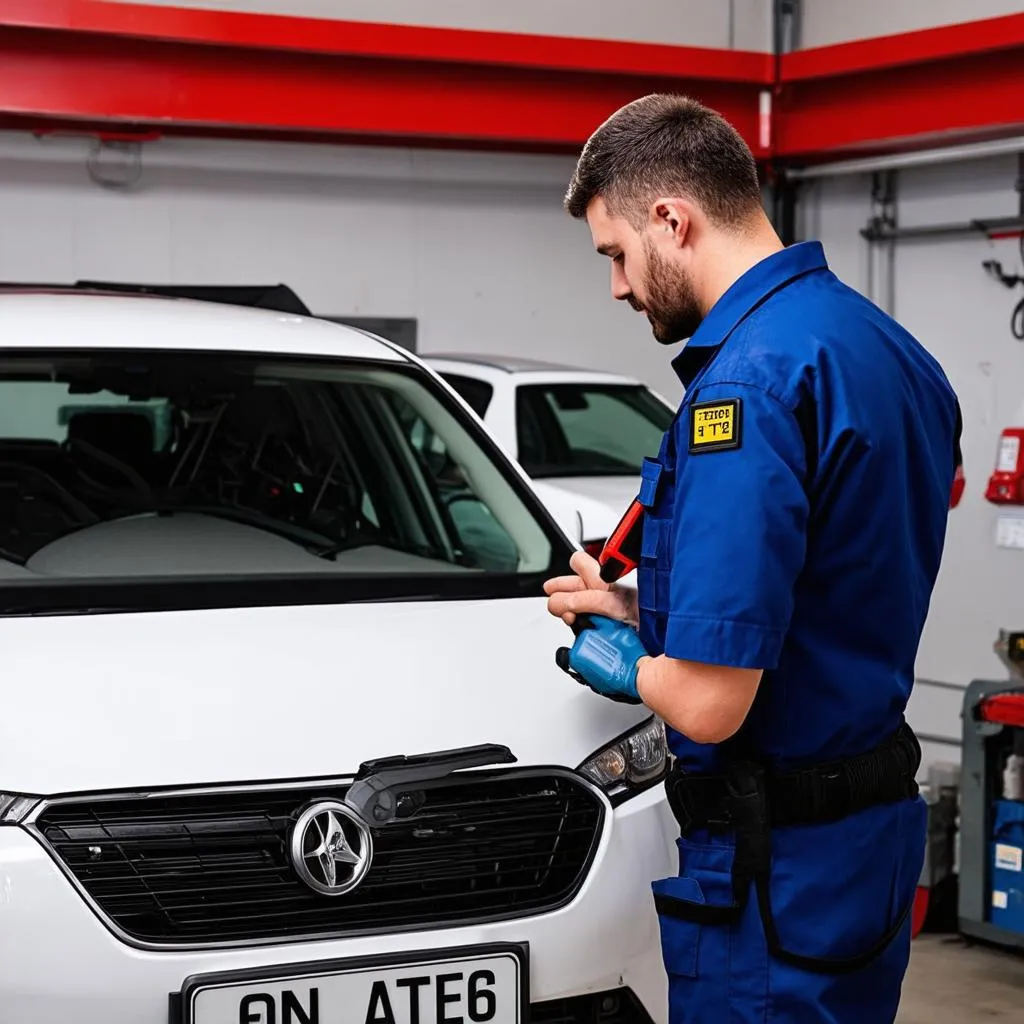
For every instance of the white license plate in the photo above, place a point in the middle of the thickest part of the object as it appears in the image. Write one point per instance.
(475, 984)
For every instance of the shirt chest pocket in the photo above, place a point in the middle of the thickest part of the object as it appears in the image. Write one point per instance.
(657, 494)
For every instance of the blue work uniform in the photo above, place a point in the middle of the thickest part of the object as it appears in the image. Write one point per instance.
(795, 519)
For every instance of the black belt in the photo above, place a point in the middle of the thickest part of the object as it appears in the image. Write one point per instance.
(748, 800)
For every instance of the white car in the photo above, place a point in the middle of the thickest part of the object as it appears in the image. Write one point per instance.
(283, 740)
(581, 435)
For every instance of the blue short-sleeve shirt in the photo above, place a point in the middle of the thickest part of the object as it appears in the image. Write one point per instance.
(797, 509)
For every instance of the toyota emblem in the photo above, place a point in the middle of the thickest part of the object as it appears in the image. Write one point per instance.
(331, 848)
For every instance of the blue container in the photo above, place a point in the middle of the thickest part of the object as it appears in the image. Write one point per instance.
(1007, 852)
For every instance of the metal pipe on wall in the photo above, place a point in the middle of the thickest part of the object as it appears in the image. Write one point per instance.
(899, 161)
(883, 221)
(988, 228)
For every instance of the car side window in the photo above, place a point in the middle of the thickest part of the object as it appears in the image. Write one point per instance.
(477, 394)
(540, 439)
(479, 532)
(587, 430)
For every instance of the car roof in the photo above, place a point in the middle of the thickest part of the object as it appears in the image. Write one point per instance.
(510, 364)
(493, 366)
(56, 318)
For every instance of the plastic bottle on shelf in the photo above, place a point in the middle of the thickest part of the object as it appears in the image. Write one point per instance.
(1013, 773)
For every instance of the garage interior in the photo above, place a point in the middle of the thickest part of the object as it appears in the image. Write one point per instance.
(400, 167)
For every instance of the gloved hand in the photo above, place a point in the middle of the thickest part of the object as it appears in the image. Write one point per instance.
(604, 657)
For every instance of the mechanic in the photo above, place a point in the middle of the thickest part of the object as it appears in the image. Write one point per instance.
(794, 520)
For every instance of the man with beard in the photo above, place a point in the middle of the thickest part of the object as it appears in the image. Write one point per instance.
(794, 521)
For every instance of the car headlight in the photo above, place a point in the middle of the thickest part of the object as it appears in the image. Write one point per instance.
(14, 807)
(632, 763)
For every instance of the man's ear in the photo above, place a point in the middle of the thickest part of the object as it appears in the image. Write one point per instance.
(672, 216)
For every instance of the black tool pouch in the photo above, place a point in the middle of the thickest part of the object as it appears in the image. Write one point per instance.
(746, 813)
(746, 802)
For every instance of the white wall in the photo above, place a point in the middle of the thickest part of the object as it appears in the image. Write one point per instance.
(476, 246)
(945, 299)
(739, 24)
(838, 21)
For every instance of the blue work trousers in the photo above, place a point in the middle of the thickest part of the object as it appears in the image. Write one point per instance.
(835, 888)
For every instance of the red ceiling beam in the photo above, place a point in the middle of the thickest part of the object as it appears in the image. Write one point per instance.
(909, 91)
(240, 30)
(259, 75)
(184, 71)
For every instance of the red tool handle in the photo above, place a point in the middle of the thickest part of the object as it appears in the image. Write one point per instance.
(621, 552)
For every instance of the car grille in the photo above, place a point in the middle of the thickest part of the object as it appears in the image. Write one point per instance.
(202, 868)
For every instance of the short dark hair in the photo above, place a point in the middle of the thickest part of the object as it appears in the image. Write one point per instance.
(666, 145)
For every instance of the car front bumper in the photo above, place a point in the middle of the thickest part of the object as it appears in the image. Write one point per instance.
(60, 962)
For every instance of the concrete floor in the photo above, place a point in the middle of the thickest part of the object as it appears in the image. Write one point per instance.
(951, 982)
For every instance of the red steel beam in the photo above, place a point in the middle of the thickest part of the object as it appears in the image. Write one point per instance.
(68, 61)
(905, 49)
(908, 91)
(188, 71)
(236, 29)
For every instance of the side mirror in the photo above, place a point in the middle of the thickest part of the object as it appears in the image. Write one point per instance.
(571, 522)
(563, 508)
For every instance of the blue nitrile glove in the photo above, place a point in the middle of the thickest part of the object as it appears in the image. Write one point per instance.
(604, 657)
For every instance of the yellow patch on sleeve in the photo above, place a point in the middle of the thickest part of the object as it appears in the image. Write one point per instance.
(716, 426)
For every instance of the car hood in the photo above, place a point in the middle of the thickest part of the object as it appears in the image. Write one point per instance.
(95, 702)
(615, 491)
(601, 501)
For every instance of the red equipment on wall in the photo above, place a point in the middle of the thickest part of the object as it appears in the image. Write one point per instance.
(959, 483)
(1006, 485)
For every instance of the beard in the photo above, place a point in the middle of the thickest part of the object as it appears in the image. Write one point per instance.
(672, 307)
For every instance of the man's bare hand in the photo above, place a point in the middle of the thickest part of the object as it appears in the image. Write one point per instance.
(569, 596)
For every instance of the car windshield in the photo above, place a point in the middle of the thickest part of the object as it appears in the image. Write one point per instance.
(588, 429)
(359, 477)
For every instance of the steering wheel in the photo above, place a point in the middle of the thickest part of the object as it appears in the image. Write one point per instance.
(110, 462)
(79, 510)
